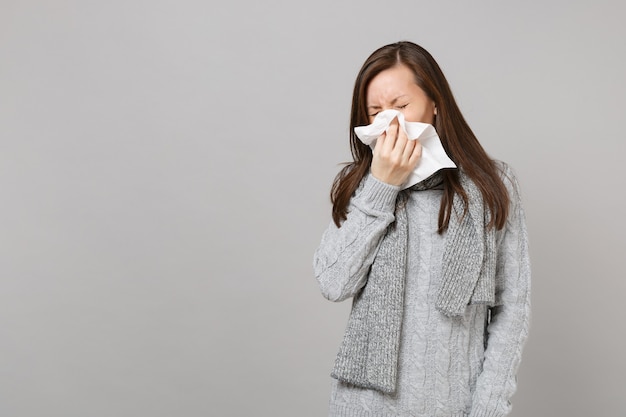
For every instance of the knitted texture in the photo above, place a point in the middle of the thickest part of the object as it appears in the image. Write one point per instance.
(469, 257)
(453, 366)
(449, 366)
(368, 356)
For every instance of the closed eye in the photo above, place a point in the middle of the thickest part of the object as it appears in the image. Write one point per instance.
(397, 107)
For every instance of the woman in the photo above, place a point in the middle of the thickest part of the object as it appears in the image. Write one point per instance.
(438, 271)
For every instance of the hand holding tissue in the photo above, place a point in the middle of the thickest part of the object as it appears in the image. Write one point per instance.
(433, 157)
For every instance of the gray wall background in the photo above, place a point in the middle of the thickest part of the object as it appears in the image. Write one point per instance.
(164, 177)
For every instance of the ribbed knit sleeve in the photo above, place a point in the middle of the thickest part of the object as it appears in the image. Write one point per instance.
(345, 254)
(508, 327)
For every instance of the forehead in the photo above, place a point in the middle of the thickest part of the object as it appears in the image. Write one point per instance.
(391, 83)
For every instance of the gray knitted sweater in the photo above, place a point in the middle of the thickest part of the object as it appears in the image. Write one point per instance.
(448, 367)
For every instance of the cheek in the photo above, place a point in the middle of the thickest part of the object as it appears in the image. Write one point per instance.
(429, 117)
(423, 114)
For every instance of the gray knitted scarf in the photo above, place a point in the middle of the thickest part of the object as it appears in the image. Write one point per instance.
(368, 356)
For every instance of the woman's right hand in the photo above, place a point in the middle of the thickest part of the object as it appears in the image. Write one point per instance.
(395, 156)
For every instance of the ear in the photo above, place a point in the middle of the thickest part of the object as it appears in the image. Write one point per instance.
(435, 110)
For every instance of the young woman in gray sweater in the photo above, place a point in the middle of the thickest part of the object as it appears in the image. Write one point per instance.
(438, 271)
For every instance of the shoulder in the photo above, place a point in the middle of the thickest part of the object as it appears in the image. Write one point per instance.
(509, 178)
(505, 170)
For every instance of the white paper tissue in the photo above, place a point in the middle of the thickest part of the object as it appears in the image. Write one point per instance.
(433, 157)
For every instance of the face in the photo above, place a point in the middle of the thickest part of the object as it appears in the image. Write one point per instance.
(395, 88)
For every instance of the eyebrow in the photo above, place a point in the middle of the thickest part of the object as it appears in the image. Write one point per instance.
(392, 102)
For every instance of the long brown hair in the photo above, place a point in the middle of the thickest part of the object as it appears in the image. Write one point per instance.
(456, 136)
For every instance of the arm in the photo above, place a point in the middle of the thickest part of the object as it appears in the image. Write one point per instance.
(508, 327)
(342, 261)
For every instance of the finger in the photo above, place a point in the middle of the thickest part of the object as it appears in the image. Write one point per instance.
(409, 148)
(391, 135)
(380, 143)
(416, 154)
(401, 139)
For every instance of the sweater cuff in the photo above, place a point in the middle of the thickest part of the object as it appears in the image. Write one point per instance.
(480, 411)
(379, 195)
